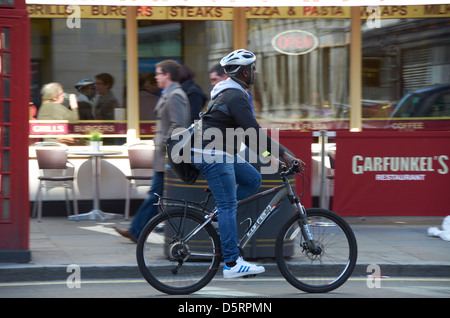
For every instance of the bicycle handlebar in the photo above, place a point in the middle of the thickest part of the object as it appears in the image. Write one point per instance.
(295, 168)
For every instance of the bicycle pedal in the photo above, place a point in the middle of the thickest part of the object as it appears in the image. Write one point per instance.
(249, 276)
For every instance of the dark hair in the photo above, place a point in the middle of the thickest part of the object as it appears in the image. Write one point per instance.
(172, 67)
(185, 74)
(218, 69)
(106, 78)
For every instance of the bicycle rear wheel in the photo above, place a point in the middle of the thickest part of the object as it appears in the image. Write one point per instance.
(178, 260)
(323, 272)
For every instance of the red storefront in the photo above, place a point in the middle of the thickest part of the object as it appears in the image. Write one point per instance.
(14, 99)
(392, 173)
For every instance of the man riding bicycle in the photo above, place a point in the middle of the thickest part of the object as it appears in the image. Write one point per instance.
(232, 178)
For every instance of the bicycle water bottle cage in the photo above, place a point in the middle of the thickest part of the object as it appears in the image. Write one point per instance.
(250, 222)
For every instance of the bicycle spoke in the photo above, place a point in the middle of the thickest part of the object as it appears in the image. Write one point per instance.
(325, 271)
(171, 264)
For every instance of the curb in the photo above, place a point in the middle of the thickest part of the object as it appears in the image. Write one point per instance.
(61, 272)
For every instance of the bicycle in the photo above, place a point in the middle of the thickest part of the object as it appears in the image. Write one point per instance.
(315, 250)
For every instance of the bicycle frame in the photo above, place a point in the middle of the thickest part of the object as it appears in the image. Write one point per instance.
(281, 191)
(284, 190)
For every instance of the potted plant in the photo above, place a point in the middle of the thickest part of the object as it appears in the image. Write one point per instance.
(96, 140)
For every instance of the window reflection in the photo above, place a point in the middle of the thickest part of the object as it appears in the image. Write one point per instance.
(311, 85)
(406, 63)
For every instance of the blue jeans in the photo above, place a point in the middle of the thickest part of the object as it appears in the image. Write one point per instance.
(229, 183)
(147, 210)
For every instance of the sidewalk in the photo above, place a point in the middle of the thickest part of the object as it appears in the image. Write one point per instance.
(399, 245)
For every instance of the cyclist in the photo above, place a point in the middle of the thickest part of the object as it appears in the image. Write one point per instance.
(232, 178)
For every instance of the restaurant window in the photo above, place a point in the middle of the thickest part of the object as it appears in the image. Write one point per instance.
(66, 55)
(197, 44)
(204, 44)
(406, 74)
(299, 79)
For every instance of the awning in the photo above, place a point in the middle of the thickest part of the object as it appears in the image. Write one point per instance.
(240, 3)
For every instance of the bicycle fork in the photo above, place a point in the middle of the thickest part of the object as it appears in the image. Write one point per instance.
(310, 244)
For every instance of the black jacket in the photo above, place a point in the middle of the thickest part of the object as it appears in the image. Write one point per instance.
(197, 98)
(230, 112)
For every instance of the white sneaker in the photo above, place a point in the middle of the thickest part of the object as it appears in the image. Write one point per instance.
(242, 268)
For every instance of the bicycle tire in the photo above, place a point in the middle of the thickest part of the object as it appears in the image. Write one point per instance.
(159, 253)
(317, 273)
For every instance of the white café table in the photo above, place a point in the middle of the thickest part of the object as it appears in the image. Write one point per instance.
(96, 213)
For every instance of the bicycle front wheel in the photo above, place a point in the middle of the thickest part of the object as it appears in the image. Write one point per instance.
(174, 257)
(325, 271)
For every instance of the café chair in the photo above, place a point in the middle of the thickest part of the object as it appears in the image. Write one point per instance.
(140, 156)
(54, 171)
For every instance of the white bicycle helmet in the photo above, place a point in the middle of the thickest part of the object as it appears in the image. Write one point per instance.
(232, 62)
(84, 82)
